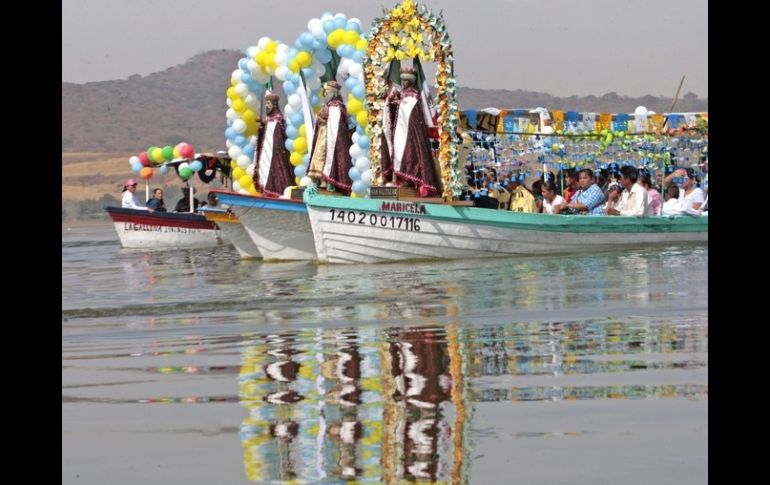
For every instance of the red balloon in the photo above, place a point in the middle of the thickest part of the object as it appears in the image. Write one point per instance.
(187, 151)
(144, 159)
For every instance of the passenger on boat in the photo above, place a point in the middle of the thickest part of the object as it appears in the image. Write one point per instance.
(412, 155)
(571, 184)
(588, 200)
(613, 196)
(522, 200)
(653, 196)
(550, 198)
(633, 200)
(330, 159)
(156, 202)
(273, 172)
(129, 200)
(183, 204)
(672, 206)
(691, 197)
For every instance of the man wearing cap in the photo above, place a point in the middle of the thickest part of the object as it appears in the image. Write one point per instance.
(412, 156)
(129, 200)
(330, 154)
(273, 172)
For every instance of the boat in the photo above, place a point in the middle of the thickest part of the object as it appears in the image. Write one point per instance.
(154, 230)
(279, 228)
(358, 230)
(232, 230)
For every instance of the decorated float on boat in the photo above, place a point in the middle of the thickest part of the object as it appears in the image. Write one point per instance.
(397, 224)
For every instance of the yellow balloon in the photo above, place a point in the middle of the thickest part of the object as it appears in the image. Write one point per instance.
(362, 118)
(271, 46)
(157, 155)
(231, 93)
(361, 45)
(294, 66)
(252, 189)
(260, 58)
(351, 37)
(245, 181)
(302, 130)
(300, 144)
(295, 159)
(176, 153)
(239, 106)
(354, 106)
(248, 115)
(303, 59)
(238, 172)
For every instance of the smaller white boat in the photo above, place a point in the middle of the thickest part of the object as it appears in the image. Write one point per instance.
(163, 230)
(232, 230)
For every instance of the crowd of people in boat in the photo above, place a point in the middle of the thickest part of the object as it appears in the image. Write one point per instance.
(624, 191)
(129, 200)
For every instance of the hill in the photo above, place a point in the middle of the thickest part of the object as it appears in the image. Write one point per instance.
(186, 102)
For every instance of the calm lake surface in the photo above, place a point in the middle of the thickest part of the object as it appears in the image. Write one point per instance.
(193, 366)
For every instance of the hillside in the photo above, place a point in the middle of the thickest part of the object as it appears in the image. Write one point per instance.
(187, 103)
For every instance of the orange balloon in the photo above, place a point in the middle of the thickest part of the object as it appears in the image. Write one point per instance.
(146, 173)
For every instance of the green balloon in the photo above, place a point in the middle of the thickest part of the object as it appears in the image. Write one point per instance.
(168, 152)
(185, 173)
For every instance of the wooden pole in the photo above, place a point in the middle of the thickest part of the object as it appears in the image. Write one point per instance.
(673, 101)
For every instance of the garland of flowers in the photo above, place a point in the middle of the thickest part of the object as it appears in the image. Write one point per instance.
(399, 35)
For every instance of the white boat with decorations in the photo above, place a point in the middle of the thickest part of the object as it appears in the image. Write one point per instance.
(348, 230)
(163, 230)
(232, 230)
(279, 228)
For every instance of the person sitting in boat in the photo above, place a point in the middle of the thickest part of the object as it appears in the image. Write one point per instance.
(551, 198)
(273, 172)
(129, 200)
(690, 195)
(672, 206)
(633, 201)
(156, 202)
(653, 196)
(211, 200)
(522, 200)
(183, 204)
(588, 200)
(571, 184)
(613, 196)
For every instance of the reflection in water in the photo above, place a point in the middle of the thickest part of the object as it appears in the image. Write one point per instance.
(391, 404)
(351, 404)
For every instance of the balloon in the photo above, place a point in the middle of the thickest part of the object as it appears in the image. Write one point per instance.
(185, 173)
(146, 173)
(196, 165)
(359, 187)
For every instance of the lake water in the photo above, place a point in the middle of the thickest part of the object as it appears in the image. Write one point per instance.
(192, 366)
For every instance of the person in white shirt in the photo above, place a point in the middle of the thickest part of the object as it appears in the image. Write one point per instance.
(129, 200)
(550, 197)
(672, 206)
(633, 200)
(613, 196)
(690, 197)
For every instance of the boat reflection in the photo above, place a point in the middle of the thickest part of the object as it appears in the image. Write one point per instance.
(395, 404)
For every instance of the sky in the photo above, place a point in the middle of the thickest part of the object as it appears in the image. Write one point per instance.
(560, 47)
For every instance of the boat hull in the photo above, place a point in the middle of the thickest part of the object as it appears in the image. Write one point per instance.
(233, 231)
(372, 231)
(279, 228)
(163, 230)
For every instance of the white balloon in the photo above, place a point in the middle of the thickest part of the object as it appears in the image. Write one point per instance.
(228, 143)
(239, 126)
(355, 137)
(280, 58)
(250, 169)
(363, 163)
(236, 75)
(235, 151)
(134, 160)
(288, 111)
(281, 72)
(355, 151)
(355, 69)
(282, 49)
(243, 191)
(318, 69)
(318, 32)
(313, 23)
(295, 101)
(341, 16)
(326, 16)
(313, 83)
(260, 76)
(231, 114)
(236, 186)
(366, 177)
(241, 90)
(640, 111)
(263, 42)
(251, 100)
(243, 161)
(229, 102)
(252, 50)
(253, 66)
(305, 181)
